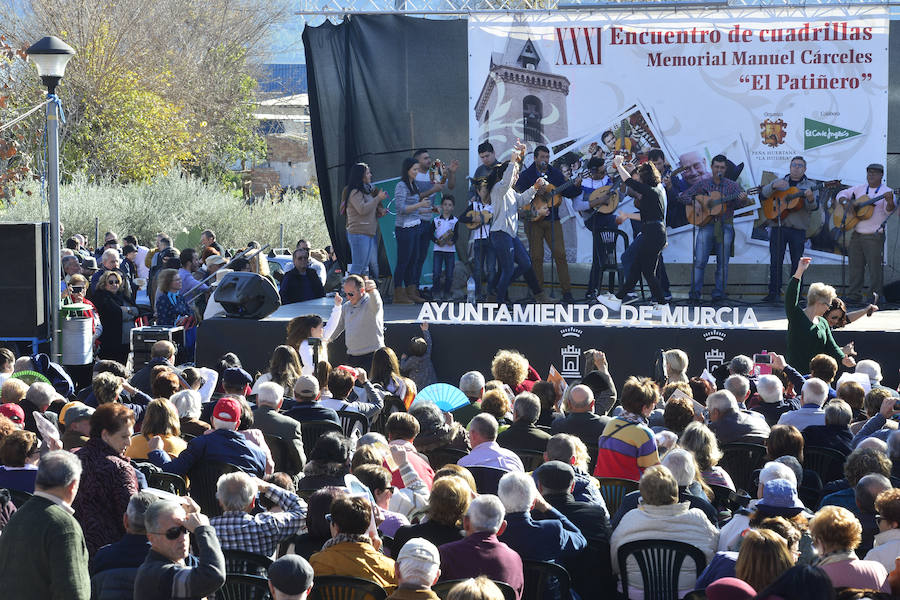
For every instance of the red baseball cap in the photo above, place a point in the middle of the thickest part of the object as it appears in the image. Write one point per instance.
(227, 409)
(13, 412)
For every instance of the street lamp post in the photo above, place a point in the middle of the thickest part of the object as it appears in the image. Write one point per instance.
(50, 55)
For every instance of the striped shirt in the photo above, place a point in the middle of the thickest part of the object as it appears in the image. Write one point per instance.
(627, 447)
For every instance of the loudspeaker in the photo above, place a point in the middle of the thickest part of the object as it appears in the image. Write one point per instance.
(892, 292)
(25, 283)
(247, 296)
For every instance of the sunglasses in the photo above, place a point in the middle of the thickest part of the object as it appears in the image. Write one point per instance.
(77, 290)
(351, 294)
(173, 533)
(392, 489)
(113, 282)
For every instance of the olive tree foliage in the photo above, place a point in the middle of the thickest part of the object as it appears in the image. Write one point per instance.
(154, 82)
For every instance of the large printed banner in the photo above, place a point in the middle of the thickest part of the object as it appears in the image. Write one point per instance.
(757, 85)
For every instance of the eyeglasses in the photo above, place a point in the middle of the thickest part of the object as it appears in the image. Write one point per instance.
(392, 489)
(77, 290)
(351, 294)
(879, 519)
(173, 533)
(113, 282)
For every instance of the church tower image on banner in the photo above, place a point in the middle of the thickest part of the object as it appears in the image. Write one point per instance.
(521, 97)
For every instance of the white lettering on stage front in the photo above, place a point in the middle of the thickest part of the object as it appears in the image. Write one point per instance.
(583, 314)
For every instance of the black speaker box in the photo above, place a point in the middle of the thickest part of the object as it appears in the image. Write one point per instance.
(892, 292)
(247, 296)
(25, 283)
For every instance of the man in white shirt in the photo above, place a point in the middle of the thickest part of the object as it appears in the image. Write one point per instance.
(866, 248)
(814, 395)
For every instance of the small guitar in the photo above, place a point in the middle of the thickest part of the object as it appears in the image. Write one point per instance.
(479, 218)
(704, 207)
(604, 199)
(549, 197)
(848, 212)
(784, 202)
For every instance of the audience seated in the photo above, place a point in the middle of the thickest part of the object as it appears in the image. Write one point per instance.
(886, 546)
(290, 578)
(699, 439)
(130, 551)
(580, 419)
(836, 534)
(328, 462)
(307, 407)
(627, 446)
(378, 480)
(161, 353)
(486, 452)
(317, 530)
(447, 505)
(350, 551)
(774, 404)
(20, 452)
(160, 419)
(343, 395)
(435, 431)
(872, 369)
(522, 434)
(76, 418)
(270, 421)
(481, 552)
(835, 433)
(813, 396)
(731, 424)
(563, 447)
(418, 568)
(472, 385)
(880, 424)
(859, 463)
(865, 493)
(401, 430)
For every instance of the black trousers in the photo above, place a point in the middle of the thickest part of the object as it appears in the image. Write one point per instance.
(653, 241)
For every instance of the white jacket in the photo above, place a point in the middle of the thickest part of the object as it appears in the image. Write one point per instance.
(886, 549)
(670, 522)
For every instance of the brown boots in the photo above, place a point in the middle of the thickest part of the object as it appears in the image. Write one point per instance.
(412, 292)
(400, 296)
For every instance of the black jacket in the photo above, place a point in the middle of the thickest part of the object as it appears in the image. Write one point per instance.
(160, 579)
(298, 288)
(836, 437)
(586, 426)
(141, 379)
(523, 436)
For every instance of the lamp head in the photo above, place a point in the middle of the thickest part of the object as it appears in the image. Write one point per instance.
(50, 55)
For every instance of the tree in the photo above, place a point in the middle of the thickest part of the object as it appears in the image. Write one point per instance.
(18, 142)
(154, 81)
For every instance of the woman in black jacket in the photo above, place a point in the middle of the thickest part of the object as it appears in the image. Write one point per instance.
(117, 315)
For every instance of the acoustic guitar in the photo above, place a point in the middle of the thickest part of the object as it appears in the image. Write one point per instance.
(549, 197)
(848, 212)
(784, 202)
(479, 218)
(604, 199)
(704, 207)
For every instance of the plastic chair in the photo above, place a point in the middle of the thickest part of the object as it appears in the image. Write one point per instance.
(244, 587)
(660, 564)
(610, 259)
(392, 404)
(246, 563)
(353, 423)
(337, 587)
(284, 453)
(545, 581)
(487, 479)
(741, 459)
(442, 588)
(313, 429)
(827, 462)
(204, 477)
(695, 595)
(168, 482)
(531, 459)
(439, 457)
(614, 491)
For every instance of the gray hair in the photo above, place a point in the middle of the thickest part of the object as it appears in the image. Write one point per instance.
(484, 425)
(269, 394)
(235, 491)
(57, 469)
(137, 508)
(517, 492)
(776, 470)
(159, 510)
(373, 437)
(40, 394)
(585, 397)
(739, 386)
(871, 369)
(486, 513)
(681, 463)
(428, 415)
(527, 407)
(187, 403)
(677, 362)
(741, 365)
(868, 488)
(770, 388)
(814, 391)
(471, 383)
(893, 444)
(67, 259)
(722, 401)
(838, 412)
(109, 253)
(561, 447)
(874, 443)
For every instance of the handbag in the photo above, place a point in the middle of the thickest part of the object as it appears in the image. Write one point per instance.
(129, 314)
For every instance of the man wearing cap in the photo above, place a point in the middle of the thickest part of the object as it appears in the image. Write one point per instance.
(76, 416)
(362, 320)
(290, 578)
(866, 249)
(418, 566)
(162, 352)
(589, 568)
(214, 263)
(14, 413)
(307, 408)
(224, 444)
(472, 385)
(236, 383)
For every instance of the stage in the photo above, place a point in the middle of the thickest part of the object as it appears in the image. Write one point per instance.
(630, 345)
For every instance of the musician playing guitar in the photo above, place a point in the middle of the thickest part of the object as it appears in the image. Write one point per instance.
(596, 219)
(788, 230)
(484, 259)
(866, 248)
(718, 233)
(549, 228)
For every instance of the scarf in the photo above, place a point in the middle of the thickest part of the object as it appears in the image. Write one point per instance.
(173, 297)
(633, 418)
(342, 538)
(835, 557)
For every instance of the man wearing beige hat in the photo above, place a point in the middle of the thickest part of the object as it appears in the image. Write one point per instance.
(417, 567)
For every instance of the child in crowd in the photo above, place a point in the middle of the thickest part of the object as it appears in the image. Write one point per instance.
(416, 364)
(444, 232)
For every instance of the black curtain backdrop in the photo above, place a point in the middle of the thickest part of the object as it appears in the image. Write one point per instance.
(381, 86)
